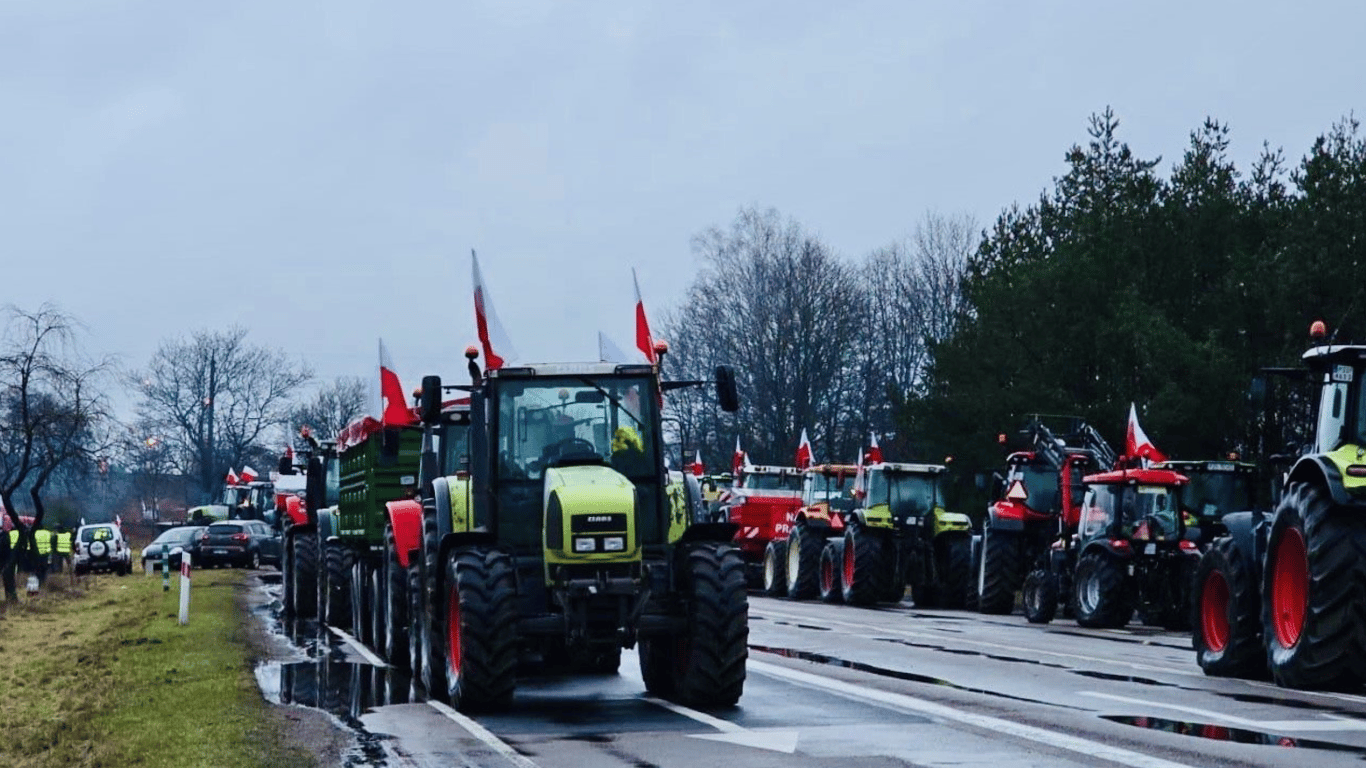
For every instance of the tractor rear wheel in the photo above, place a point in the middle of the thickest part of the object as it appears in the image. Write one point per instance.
(999, 577)
(360, 606)
(863, 557)
(1102, 597)
(832, 571)
(775, 569)
(711, 670)
(1312, 593)
(395, 610)
(432, 673)
(953, 565)
(803, 561)
(335, 581)
(481, 629)
(974, 568)
(1040, 595)
(286, 579)
(1227, 631)
(303, 574)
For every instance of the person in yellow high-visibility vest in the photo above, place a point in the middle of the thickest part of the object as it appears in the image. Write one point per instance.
(61, 548)
(42, 539)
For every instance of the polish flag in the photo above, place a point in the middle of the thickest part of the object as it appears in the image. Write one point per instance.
(248, 474)
(608, 351)
(1136, 442)
(231, 479)
(874, 452)
(858, 476)
(804, 457)
(491, 333)
(739, 461)
(696, 467)
(644, 342)
(393, 404)
(289, 453)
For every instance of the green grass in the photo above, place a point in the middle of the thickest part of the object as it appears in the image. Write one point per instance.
(103, 675)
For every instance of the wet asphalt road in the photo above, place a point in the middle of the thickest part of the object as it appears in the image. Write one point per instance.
(832, 685)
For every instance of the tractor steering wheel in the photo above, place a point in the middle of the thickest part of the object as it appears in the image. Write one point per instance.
(566, 447)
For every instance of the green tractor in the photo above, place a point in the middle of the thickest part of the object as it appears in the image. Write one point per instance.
(1286, 593)
(572, 540)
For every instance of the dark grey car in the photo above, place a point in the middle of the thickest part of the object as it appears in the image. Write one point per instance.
(240, 543)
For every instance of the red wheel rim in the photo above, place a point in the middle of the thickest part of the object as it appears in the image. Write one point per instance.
(1214, 612)
(453, 633)
(1289, 587)
(849, 560)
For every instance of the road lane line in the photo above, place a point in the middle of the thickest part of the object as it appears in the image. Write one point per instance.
(1092, 750)
(483, 734)
(1341, 724)
(359, 647)
(702, 717)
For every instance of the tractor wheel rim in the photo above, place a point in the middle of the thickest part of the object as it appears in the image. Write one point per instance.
(794, 558)
(827, 575)
(850, 561)
(1090, 592)
(1214, 599)
(770, 568)
(1289, 587)
(453, 633)
(982, 567)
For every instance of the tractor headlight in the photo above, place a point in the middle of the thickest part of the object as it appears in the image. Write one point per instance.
(585, 544)
(613, 544)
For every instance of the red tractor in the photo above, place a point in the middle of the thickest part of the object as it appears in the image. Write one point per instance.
(762, 504)
(1039, 504)
(802, 565)
(1131, 552)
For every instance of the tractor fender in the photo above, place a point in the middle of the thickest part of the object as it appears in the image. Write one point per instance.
(441, 492)
(405, 518)
(951, 522)
(295, 512)
(327, 523)
(1005, 516)
(462, 539)
(1318, 469)
(1243, 529)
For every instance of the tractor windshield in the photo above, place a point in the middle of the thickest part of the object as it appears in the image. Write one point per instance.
(907, 495)
(1041, 485)
(455, 449)
(1150, 512)
(783, 482)
(1213, 494)
(835, 488)
(552, 421)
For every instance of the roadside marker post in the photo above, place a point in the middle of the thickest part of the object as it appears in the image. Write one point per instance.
(184, 587)
(166, 571)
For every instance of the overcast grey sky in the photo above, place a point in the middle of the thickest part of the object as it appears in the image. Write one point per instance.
(319, 171)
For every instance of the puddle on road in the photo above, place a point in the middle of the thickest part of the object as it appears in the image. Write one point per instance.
(964, 652)
(1129, 679)
(800, 626)
(1225, 733)
(897, 674)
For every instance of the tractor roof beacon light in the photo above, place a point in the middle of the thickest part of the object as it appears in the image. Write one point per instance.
(1318, 330)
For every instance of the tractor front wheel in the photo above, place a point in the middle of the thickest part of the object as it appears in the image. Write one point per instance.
(832, 571)
(1312, 593)
(394, 638)
(775, 569)
(863, 561)
(1040, 595)
(1227, 627)
(999, 576)
(1102, 595)
(711, 671)
(804, 547)
(481, 629)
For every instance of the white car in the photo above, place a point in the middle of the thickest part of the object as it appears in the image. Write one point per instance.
(101, 547)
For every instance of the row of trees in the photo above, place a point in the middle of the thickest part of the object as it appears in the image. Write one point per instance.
(1118, 285)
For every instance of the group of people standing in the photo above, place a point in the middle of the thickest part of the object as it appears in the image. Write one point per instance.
(52, 551)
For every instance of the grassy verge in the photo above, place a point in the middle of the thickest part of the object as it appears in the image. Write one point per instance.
(103, 675)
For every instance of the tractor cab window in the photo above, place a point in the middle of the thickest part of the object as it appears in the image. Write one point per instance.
(1213, 494)
(906, 494)
(234, 495)
(333, 481)
(1150, 510)
(787, 481)
(835, 488)
(1359, 417)
(1096, 509)
(1332, 416)
(1040, 482)
(455, 449)
(556, 421)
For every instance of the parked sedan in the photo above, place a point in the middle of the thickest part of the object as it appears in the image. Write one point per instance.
(241, 543)
(176, 540)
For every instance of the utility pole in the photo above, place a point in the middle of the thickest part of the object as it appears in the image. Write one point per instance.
(209, 454)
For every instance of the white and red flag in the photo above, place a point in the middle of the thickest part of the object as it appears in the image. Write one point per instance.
(804, 456)
(1136, 442)
(498, 347)
(696, 467)
(738, 461)
(248, 474)
(858, 475)
(644, 342)
(231, 479)
(874, 452)
(393, 403)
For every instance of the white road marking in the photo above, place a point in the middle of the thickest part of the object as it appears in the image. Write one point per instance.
(359, 647)
(774, 739)
(483, 734)
(1091, 750)
(1277, 726)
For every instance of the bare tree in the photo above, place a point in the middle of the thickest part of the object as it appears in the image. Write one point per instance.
(333, 407)
(215, 399)
(50, 413)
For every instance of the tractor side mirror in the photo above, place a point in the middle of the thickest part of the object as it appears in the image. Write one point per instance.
(998, 485)
(430, 405)
(726, 393)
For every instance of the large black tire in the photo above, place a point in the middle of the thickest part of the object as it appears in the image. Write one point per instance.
(974, 567)
(864, 562)
(394, 637)
(1040, 596)
(413, 573)
(804, 547)
(775, 569)
(481, 629)
(1102, 596)
(377, 599)
(302, 575)
(359, 593)
(1227, 622)
(657, 663)
(336, 585)
(999, 577)
(1175, 614)
(953, 563)
(832, 571)
(432, 673)
(709, 670)
(1314, 593)
(286, 579)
